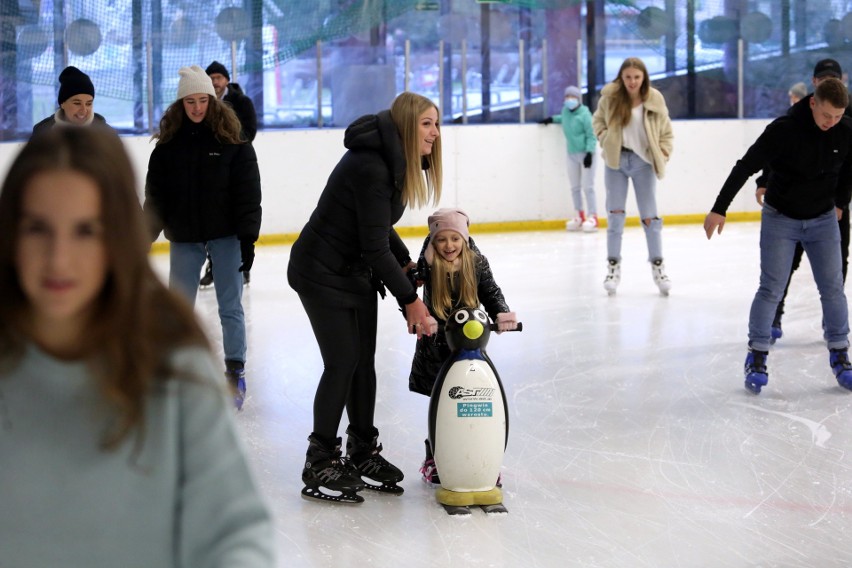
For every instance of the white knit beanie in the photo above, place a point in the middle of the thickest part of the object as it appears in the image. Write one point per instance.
(193, 80)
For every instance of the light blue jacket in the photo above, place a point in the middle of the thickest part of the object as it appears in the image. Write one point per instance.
(183, 498)
(577, 127)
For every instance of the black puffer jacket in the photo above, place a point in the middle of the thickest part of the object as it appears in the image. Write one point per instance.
(431, 352)
(199, 189)
(349, 249)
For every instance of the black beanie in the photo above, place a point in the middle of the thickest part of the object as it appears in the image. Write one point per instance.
(72, 82)
(217, 67)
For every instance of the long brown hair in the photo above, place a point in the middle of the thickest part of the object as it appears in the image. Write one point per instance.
(622, 105)
(136, 322)
(444, 282)
(417, 190)
(220, 118)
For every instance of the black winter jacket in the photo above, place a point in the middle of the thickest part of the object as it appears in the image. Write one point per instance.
(50, 122)
(244, 109)
(810, 170)
(199, 189)
(431, 352)
(348, 249)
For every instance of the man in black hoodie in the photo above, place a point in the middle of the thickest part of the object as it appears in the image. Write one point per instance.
(809, 155)
(232, 94)
(824, 69)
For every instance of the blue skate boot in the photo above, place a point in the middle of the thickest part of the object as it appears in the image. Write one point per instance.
(756, 375)
(775, 332)
(839, 360)
(235, 373)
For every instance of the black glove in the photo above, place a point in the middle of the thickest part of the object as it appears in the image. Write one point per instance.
(587, 161)
(246, 254)
(548, 120)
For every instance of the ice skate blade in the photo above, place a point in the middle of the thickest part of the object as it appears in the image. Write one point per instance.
(388, 488)
(314, 494)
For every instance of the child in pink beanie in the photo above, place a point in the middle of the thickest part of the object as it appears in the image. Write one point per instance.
(455, 275)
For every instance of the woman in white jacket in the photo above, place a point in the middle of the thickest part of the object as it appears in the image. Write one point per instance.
(633, 127)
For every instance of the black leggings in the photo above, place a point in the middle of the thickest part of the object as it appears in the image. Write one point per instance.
(797, 260)
(347, 343)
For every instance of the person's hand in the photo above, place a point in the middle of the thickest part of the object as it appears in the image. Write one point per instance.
(587, 161)
(419, 320)
(761, 191)
(246, 254)
(506, 321)
(713, 222)
(546, 120)
(839, 213)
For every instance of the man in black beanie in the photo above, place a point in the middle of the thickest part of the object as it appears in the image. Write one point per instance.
(232, 94)
(76, 97)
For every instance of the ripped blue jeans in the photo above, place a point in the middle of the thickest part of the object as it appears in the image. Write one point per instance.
(641, 172)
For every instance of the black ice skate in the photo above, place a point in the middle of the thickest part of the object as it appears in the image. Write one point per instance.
(207, 278)
(327, 476)
(377, 473)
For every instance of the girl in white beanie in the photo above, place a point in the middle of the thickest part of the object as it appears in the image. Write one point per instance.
(203, 190)
(454, 275)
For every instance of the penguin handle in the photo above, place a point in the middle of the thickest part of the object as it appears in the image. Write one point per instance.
(493, 327)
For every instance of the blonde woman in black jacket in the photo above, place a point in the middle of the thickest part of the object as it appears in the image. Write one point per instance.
(346, 254)
(203, 190)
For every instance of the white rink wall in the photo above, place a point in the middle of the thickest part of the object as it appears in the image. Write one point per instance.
(497, 173)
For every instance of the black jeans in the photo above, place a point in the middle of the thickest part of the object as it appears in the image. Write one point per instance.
(347, 343)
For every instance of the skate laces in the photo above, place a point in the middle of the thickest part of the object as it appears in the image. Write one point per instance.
(840, 358)
(756, 362)
(337, 468)
(612, 270)
(659, 272)
(374, 463)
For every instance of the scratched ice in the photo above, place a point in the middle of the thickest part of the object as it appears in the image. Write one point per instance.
(632, 440)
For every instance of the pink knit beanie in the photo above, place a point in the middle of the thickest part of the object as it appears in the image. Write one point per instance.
(449, 219)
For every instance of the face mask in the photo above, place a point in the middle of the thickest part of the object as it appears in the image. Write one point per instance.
(571, 103)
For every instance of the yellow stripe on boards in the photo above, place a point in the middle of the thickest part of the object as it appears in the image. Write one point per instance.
(501, 227)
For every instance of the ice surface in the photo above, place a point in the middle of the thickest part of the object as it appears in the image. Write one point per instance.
(632, 441)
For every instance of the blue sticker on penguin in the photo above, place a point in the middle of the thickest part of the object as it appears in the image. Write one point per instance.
(473, 410)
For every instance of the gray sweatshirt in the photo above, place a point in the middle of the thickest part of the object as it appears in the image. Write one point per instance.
(187, 498)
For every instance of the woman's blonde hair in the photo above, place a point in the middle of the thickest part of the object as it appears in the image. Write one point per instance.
(445, 280)
(418, 190)
(622, 105)
(137, 322)
(220, 118)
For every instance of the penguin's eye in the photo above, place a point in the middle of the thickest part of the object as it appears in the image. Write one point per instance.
(461, 317)
(480, 315)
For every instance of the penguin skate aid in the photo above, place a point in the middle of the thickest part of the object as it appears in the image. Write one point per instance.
(468, 418)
